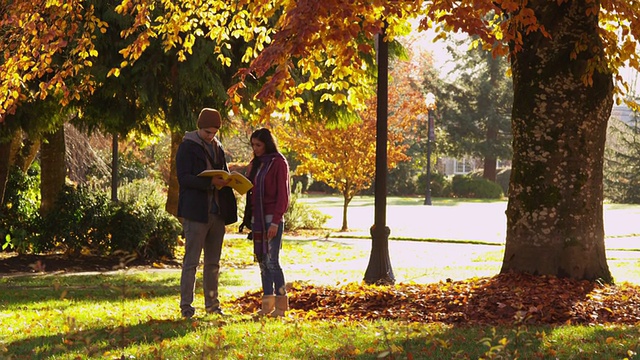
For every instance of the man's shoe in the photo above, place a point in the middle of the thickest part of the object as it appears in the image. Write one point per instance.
(187, 314)
(216, 311)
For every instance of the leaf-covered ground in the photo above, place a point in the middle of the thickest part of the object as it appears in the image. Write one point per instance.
(503, 299)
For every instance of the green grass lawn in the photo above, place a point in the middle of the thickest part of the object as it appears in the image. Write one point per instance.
(134, 315)
(130, 314)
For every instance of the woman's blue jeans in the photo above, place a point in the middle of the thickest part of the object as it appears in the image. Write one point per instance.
(271, 273)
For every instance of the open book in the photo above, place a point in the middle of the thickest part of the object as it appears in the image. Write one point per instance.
(238, 181)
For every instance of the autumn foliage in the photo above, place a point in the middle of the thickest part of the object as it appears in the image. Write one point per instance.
(505, 299)
(344, 156)
(47, 47)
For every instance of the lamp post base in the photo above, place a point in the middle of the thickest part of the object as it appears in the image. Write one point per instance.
(379, 271)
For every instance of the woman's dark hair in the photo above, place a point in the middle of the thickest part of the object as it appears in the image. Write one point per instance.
(265, 136)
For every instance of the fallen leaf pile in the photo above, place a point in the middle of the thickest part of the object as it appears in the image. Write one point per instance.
(502, 299)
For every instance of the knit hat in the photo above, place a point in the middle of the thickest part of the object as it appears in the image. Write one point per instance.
(209, 118)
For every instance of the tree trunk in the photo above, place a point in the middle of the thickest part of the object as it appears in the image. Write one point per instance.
(345, 206)
(5, 165)
(554, 215)
(28, 153)
(174, 188)
(489, 170)
(115, 169)
(54, 169)
(8, 152)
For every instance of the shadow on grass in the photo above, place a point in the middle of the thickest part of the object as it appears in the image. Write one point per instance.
(536, 342)
(98, 341)
(390, 341)
(27, 290)
(426, 338)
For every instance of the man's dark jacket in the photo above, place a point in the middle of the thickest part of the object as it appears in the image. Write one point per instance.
(193, 201)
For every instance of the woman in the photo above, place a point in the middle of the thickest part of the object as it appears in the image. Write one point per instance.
(266, 203)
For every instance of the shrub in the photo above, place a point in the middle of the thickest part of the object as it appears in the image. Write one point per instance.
(301, 215)
(20, 209)
(77, 222)
(440, 185)
(148, 231)
(472, 187)
(85, 220)
(143, 191)
(403, 180)
(320, 187)
(163, 239)
(131, 167)
(503, 178)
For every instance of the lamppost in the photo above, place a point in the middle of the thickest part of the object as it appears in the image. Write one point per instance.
(430, 101)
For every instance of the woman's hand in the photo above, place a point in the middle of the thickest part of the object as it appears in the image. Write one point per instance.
(273, 230)
(219, 182)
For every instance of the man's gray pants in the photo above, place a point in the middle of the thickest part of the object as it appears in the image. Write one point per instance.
(201, 237)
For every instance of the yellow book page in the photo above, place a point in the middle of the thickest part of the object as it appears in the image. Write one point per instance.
(238, 181)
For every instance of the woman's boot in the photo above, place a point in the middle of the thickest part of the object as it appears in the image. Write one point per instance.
(282, 305)
(268, 304)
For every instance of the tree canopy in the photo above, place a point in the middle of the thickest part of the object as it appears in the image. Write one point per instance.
(310, 33)
(344, 157)
(291, 41)
(47, 48)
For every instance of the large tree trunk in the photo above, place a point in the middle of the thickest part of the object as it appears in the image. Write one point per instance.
(4, 168)
(54, 169)
(174, 188)
(554, 215)
(20, 151)
(8, 152)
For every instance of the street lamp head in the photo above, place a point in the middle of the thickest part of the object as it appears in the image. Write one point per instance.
(430, 101)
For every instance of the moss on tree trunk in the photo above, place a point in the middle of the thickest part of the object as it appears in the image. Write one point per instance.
(554, 216)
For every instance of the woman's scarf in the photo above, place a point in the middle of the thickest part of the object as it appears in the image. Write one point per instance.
(259, 228)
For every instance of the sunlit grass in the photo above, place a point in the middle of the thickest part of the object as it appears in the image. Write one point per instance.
(150, 330)
(133, 314)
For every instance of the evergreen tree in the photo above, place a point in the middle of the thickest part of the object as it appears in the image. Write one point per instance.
(476, 108)
(622, 161)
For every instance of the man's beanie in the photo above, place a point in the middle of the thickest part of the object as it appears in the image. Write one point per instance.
(209, 118)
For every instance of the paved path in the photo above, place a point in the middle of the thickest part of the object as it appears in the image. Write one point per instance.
(480, 222)
(436, 260)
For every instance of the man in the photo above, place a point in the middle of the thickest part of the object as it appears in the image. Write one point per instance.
(205, 206)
